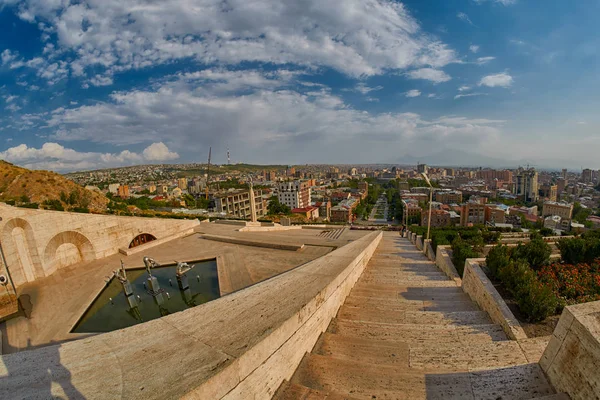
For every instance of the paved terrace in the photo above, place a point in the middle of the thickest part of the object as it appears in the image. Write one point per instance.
(407, 331)
(58, 301)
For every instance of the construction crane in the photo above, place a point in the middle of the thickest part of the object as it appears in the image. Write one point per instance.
(208, 171)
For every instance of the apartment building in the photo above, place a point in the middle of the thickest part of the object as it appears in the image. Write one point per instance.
(294, 194)
(563, 210)
(237, 203)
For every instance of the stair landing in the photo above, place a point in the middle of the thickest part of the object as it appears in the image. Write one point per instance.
(406, 331)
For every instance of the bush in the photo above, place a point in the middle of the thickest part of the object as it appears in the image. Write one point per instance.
(573, 283)
(536, 300)
(497, 259)
(461, 250)
(578, 250)
(536, 253)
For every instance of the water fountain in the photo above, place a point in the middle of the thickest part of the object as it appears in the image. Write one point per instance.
(137, 295)
(153, 287)
(121, 275)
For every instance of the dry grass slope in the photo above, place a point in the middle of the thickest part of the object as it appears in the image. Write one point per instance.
(39, 186)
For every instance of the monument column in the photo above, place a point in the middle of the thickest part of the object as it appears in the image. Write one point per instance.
(252, 204)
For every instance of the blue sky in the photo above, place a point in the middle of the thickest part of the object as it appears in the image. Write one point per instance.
(100, 83)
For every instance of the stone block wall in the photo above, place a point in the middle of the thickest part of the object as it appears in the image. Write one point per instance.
(198, 353)
(477, 285)
(37, 242)
(572, 359)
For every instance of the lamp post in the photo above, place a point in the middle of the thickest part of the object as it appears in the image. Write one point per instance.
(430, 201)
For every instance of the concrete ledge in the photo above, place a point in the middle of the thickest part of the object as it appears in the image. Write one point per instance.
(146, 246)
(428, 250)
(477, 285)
(443, 262)
(231, 222)
(255, 243)
(419, 242)
(239, 346)
(572, 359)
(269, 228)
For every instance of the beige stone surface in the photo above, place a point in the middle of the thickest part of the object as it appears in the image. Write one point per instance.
(402, 340)
(60, 299)
(478, 286)
(37, 243)
(572, 359)
(443, 261)
(239, 346)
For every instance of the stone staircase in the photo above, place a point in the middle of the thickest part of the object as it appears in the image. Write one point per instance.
(333, 233)
(406, 331)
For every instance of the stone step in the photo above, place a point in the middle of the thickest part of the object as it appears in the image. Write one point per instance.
(410, 293)
(415, 305)
(374, 314)
(404, 279)
(534, 347)
(414, 283)
(399, 274)
(467, 357)
(293, 391)
(457, 357)
(364, 350)
(558, 396)
(369, 381)
(423, 269)
(418, 333)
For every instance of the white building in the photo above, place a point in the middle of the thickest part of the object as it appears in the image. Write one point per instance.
(295, 194)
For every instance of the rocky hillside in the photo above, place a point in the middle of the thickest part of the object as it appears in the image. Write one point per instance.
(48, 189)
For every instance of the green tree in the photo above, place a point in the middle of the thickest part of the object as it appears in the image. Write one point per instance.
(275, 207)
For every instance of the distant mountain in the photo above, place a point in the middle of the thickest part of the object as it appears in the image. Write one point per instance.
(26, 186)
(456, 158)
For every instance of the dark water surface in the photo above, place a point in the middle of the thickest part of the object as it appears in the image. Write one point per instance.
(105, 316)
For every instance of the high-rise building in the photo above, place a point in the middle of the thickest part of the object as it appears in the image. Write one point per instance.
(123, 191)
(564, 174)
(295, 194)
(586, 175)
(490, 175)
(526, 184)
(182, 183)
(237, 203)
(422, 168)
(563, 210)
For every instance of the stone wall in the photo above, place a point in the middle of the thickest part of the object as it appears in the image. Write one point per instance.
(477, 285)
(443, 261)
(242, 345)
(419, 242)
(572, 359)
(37, 242)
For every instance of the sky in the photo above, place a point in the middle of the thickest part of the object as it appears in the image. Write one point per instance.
(103, 83)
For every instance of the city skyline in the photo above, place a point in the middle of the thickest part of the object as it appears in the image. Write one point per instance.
(496, 83)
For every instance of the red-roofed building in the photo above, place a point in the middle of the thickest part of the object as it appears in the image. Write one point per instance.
(309, 212)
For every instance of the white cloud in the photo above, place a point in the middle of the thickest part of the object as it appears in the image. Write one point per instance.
(498, 80)
(364, 89)
(430, 74)
(413, 93)
(159, 152)
(464, 17)
(464, 88)
(57, 157)
(358, 38)
(287, 119)
(7, 56)
(474, 48)
(485, 60)
(503, 2)
(10, 98)
(12, 107)
(458, 96)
